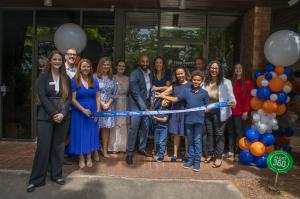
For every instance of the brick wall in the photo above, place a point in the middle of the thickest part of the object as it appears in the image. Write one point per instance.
(256, 29)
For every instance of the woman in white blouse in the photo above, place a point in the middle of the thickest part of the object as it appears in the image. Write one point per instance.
(219, 89)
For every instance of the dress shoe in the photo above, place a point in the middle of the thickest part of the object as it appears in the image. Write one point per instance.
(30, 188)
(129, 160)
(144, 153)
(59, 181)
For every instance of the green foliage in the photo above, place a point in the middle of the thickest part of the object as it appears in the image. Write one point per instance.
(139, 40)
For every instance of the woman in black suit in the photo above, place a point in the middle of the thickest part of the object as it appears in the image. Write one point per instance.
(54, 92)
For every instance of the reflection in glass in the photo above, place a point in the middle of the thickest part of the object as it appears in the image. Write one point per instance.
(141, 36)
(223, 41)
(16, 74)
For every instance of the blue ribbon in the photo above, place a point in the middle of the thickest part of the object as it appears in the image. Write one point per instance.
(147, 113)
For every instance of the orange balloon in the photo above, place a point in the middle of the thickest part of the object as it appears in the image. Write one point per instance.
(276, 84)
(244, 144)
(281, 108)
(256, 103)
(279, 70)
(257, 149)
(269, 106)
(269, 149)
(283, 141)
(259, 80)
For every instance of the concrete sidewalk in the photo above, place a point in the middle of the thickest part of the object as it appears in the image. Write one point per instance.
(13, 186)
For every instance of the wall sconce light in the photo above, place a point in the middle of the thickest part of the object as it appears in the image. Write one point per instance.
(47, 3)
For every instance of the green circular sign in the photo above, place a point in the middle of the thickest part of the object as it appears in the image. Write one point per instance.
(280, 161)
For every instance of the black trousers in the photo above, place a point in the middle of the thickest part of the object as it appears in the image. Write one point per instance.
(235, 133)
(215, 134)
(50, 146)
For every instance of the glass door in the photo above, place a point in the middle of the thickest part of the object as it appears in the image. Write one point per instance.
(182, 38)
(16, 85)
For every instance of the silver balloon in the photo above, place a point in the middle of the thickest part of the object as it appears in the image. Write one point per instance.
(283, 48)
(70, 35)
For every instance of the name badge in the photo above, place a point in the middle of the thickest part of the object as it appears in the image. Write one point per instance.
(51, 83)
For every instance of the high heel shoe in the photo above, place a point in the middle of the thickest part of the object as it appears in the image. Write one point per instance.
(89, 162)
(217, 163)
(96, 156)
(30, 188)
(81, 163)
(208, 160)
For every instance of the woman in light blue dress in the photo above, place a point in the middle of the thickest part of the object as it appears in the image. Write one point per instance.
(108, 90)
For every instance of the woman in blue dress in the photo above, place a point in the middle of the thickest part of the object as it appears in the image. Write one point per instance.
(84, 136)
(161, 76)
(161, 81)
(176, 121)
(108, 90)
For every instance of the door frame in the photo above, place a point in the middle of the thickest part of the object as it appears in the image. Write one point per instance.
(1, 66)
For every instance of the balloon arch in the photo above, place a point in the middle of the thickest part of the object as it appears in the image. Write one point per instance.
(269, 100)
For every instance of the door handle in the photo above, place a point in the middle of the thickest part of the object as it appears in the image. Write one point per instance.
(4, 89)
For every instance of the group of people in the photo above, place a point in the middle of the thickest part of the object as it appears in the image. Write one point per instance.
(68, 95)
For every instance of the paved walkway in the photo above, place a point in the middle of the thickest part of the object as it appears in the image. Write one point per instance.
(146, 175)
(116, 187)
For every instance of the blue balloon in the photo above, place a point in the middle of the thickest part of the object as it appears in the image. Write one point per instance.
(270, 67)
(268, 139)
(263, 93)
(289, 132)
(246, 157)
(258, 73)
(288, 71)
(261, 161)
(252, 135)
(282, 97)
(268, 76)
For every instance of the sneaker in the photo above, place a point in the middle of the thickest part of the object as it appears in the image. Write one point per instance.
(187, 165)
(159, 159)
(196, 167)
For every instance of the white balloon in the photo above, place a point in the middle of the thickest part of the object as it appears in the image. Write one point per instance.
(272, 115)
(273, 122)
(273, 74)
(283, 77)
(256, 117)
(273, 97)
(261, 112)
(70, 35)
(288, 99)
(264, 119)
(264, 82)
(283, 48)
(276, 127)
(262, 128)
(253, 92)
(287, 89)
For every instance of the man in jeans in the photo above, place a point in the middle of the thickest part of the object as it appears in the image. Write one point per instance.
(140, 83)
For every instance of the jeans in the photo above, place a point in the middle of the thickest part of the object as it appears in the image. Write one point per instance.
(160, 135)
(235, 132)
(194, 134)
(137, 124)
(215, 133)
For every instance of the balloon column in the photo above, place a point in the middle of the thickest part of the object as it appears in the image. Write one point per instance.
(269, 99)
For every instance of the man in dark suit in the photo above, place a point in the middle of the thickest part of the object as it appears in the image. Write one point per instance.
(140, 82)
